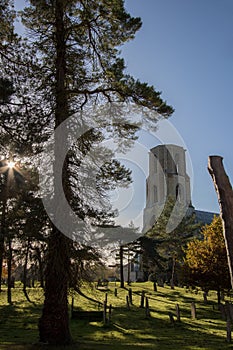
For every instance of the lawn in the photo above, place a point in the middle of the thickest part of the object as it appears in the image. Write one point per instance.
(129, 328)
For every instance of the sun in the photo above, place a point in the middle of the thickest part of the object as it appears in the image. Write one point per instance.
(11, 165)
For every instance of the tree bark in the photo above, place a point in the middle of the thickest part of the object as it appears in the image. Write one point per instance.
(25, 272)
(122, 266)
(9, 266)
(41, 268)
(54, 323)
(3, 224)
(225, 198)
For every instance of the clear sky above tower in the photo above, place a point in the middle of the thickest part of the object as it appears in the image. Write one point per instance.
(185, 49)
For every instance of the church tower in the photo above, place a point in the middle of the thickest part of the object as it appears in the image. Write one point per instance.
(167, 179)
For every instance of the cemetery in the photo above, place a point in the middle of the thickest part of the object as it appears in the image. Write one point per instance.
(103, 245)
(168, 317)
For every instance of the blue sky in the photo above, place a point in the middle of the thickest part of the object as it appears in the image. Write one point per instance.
(185, 49)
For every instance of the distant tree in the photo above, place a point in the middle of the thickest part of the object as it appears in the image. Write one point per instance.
(166, 247)
(206, 260)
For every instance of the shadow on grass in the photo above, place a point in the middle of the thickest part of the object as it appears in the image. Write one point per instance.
(128, 330)
(132, 330)
(18, 324)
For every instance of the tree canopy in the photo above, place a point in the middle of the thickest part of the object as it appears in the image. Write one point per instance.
(206, 260)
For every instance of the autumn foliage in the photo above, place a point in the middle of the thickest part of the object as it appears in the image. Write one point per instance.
(206, 260)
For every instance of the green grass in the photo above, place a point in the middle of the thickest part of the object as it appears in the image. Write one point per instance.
(129, 329)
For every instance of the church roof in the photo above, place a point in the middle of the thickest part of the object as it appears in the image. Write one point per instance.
(205, 217)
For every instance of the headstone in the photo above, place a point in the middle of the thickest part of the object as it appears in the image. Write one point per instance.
(142, 299)
(193, 310)
(205, 297)
(105, 313)
(178, 312)
(130, 296)
(147, 308)
(110, 313)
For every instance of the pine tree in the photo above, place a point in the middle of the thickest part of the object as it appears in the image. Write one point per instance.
(76, 65)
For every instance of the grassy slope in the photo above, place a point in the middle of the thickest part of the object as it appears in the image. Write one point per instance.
(129, 329)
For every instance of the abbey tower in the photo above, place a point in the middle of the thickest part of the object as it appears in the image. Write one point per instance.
(167, 178)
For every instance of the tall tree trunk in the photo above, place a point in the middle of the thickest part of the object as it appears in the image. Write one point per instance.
(9, 267)
(3, 228)
(41, 268)
(173, 273)
(54, 323)
(225, 198)
(219, 296)
(25, 272)
(1, 258)
(122, 266)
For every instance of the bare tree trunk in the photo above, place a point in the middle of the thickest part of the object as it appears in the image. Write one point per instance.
(41, 270)
(225, 198)
(1, 258)
(122, 266)
(2, 234)
(9, 265)
(54, 322)
(173, 273)
(25, 272)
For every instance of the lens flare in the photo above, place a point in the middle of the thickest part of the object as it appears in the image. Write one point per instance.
(11, 165)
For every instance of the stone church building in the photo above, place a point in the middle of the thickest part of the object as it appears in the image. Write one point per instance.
(168, 178)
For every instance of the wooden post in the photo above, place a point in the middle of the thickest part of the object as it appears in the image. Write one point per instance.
(178, 312)
(130, 296)
(147, 308)
(142, 299)
(225, 198)
(115, 292)
(72, 306)
(106, 298)
(127, 302)
(228, 319)
(155, 287)
(193, 310)
(110, 313)
(121, 255)
(205, 297)
(105, 313)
